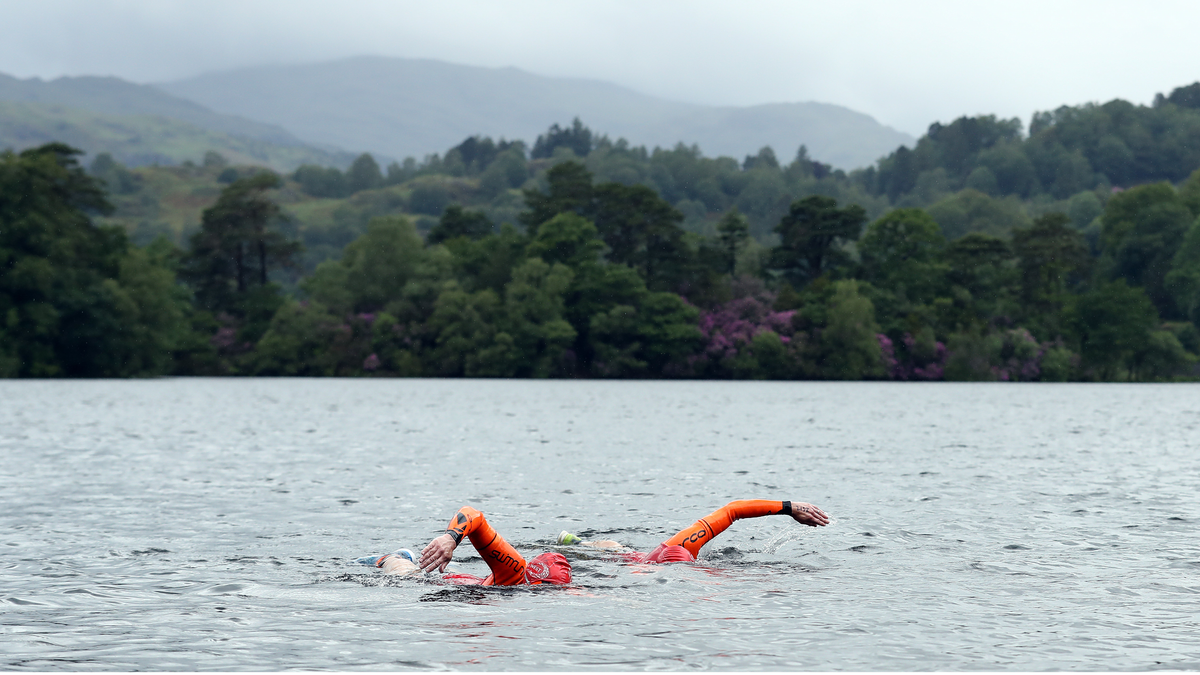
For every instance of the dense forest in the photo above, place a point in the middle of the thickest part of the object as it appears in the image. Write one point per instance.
(1066, 251)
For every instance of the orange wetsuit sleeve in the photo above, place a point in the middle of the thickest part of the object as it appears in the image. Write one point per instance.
(508, 567)
(694, 537)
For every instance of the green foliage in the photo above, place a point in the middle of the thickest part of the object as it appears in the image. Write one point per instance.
(1068, 151)
(1050, 255)
(972, 211)
(1083, 208)
(810, 237)
(849, 347)
(566, 238)
(1113, 322)
(577, 138)
(75, 299)
(116, 178)
(570, 190)
(1143, 229)
(468, 342)
(1183, 279)
(429, 198)
(457, 222)
(297, 342)
(1185, 97)
(732, 232)
(363, 174)
(322, 182)
(534, 317)
(595, 283)
(237, 246)
(902, 252)
(374, 268)
(1008, 355)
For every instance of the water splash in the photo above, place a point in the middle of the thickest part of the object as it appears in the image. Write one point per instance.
(783, 536)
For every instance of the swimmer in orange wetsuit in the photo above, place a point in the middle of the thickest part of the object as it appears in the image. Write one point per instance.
(686, 543)
(508, 567)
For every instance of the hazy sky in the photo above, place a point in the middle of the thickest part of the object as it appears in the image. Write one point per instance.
(906, 63)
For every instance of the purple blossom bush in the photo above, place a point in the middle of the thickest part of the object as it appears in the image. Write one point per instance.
(728, 332)
(1008, 355)
(915, 359)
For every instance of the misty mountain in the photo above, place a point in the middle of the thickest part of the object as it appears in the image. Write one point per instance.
(114, 96)
(141, 124)
(412, 107)
(138, 140)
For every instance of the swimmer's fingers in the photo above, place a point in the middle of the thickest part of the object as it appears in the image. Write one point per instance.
(807, 514)
(437, 554)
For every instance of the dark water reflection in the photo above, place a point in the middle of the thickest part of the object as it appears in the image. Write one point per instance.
(207, 524)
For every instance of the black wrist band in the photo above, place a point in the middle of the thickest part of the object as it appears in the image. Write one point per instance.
(787, 508)
(456, 536)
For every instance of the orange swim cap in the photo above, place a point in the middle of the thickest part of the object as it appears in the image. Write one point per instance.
(548, 568)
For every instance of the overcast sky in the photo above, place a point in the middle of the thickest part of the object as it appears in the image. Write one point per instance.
(905, 63)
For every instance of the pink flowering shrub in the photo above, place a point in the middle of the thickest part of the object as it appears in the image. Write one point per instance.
(729, 331)
(915, 359)
(1008, 355)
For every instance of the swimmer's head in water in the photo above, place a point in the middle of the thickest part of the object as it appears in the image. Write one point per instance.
(548, 568)
(669, 554)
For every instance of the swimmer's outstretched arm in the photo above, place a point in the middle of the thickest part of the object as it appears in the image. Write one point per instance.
(437, 554)
(508, 566)
(701, 532)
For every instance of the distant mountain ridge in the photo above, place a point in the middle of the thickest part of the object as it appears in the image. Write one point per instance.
(141, 124)
(114, 96)
(412, 107)
(140, 140)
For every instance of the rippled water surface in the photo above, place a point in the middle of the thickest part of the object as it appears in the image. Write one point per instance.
(210, 524)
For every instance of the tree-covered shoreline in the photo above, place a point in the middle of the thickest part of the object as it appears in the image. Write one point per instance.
(1068, 254)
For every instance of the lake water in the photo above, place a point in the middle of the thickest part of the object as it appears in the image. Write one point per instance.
(201, 524)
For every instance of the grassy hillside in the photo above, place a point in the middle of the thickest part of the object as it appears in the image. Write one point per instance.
(114, 96)
(412, 107)
(168, 200)
(138, 140)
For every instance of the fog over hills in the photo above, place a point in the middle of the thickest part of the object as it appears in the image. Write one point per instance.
(412, 107)
(140, 124)
(114, 96)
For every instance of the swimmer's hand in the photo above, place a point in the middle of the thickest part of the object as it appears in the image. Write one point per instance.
(807, 514)
(437, 554)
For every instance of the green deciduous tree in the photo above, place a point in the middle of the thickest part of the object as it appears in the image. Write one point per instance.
(733, 231)
(373, 269)
(321, 181)
(1113, 321)
(1050, 253)
(75, 299)
(902, 252)
(810, 237)
(1183, 279)
(237, 246)
(849, 347)
(458, 222)
(533, 317)
(363, 174)
(577, 137)
(570, 189)
(973, 211)
(642, 230)
(1143, 228)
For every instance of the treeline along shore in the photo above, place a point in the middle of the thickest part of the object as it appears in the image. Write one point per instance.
(1068, 251)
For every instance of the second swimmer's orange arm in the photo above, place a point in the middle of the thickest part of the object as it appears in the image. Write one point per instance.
(702, 531)
(508, 567)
